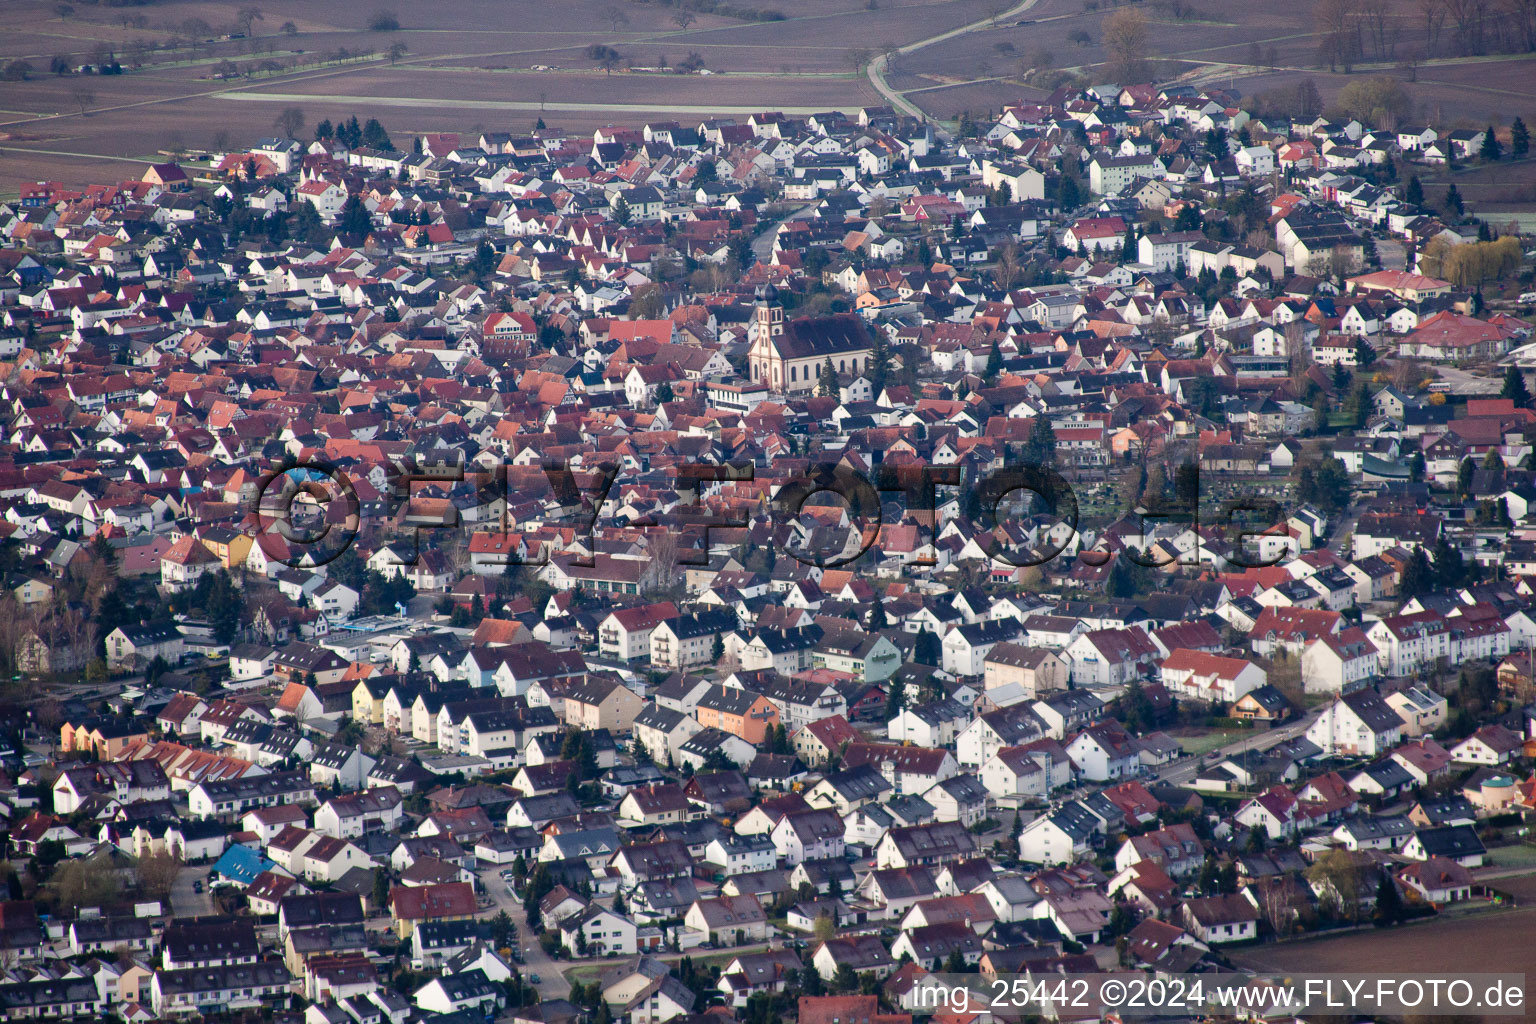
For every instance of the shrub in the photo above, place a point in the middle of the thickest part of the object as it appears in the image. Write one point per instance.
(383, 21)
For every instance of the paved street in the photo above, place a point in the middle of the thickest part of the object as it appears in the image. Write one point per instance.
(1464, 383)
(1183, 770)
(762, 245)
(1344, 528)
(552, 983)
(1392, 254)
(185, 902)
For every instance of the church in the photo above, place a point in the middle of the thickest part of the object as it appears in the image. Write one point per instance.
(789, 355)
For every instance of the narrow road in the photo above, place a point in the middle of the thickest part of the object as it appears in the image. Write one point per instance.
(1345, 527)
(876, 68)
(552, 983)
(762, 245)
(185, 902)
(1183, 771)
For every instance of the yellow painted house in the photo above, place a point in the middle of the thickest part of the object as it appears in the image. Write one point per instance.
(368, 701)
(107, 736)
(230, 547)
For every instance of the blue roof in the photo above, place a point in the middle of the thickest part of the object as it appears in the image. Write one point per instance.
(242, 864)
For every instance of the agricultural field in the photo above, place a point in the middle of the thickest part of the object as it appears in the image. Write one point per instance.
(461, 65)
(202, 74)
(1250, 47)
(1453, 943)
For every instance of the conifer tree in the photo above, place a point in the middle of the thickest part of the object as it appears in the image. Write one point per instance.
(1519, 139)
(827, 384)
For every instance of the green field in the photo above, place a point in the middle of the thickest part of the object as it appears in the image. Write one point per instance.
(1203, 743)
(1519, 855)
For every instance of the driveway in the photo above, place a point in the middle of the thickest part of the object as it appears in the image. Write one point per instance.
(185, 902)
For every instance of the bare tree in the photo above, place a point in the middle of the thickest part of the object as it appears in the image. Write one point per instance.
(1408, 374)
(1520, 16)
(1379, 25)
(1471, 17)
(1124, 34)
(664, 264)
(84, 882)
(194, 30)
(857, 57)
(1296, 349)
(157, 873)
(246, 17)
(395, 52)
(290, 121)
(1342, 261)
(661, 571)
(84, 96)
(456, 550)
(1277, 902)
(682, 19)
(1338, 35)
(1433, 12)
(1008, 267)
(615, 18)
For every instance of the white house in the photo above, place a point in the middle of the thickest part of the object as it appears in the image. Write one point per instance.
(1196, 675)
(1104, 752)
(1334, 662)
(808, 835)
(1217, 920)
(1255, 161)
(1110, 657)
(1359, 724)
(599, 931)
(1167, 250)
(1061, 837)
